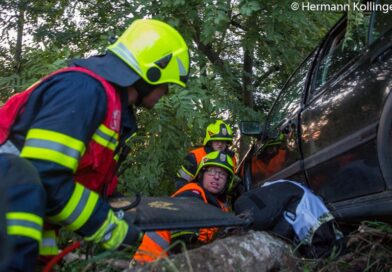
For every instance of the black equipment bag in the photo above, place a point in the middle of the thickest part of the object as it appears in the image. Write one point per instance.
(292, 211)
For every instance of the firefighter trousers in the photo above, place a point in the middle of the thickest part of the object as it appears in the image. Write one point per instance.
(22, 208)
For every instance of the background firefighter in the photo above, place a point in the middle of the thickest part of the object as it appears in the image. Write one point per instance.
(218, 137)
(213, 177)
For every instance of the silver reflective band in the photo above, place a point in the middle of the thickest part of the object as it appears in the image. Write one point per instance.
(184, 175)
(110, 139)
(48, 242)
(54, 146)
(123, 51)
(23, 223)
(158, 239)
(108, 232)
(78, 209)
(9, 148)
(181, 67)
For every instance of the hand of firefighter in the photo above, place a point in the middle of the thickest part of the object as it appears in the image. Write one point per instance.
(116, 232)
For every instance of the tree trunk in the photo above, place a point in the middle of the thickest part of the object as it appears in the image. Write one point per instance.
(247, 78)
(247, 94)
(19, 38)
(253, 251)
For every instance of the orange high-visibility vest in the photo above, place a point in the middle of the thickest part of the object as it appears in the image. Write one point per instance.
(156, 243)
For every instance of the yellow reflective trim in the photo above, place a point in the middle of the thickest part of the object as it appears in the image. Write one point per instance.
(24, 224)
(25, 216)
(54, 136)
(116, 157)
(108, 131)
(25, 231)
(98, 236)
(53, 146)
(117, 228)
(108, 137)
(191, 176)
(101, 141)
(70, 206)
(86, 213)
(131, 137)
(48, 251)
(76, 208)
(49, 155)
(176, 234)
(48, 244)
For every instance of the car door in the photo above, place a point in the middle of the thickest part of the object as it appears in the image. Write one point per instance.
(340, 119)
(279, 154)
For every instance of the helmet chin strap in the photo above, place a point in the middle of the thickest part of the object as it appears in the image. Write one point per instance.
(143, 89)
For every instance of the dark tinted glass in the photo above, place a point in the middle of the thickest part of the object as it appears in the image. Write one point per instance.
(382, 19)
(343, 48)
(290, 99)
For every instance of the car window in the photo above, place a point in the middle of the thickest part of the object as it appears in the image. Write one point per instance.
(342, 48)
(289, 99)
(382, 21)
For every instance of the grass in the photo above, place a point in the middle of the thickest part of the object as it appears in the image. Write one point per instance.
(369, 248)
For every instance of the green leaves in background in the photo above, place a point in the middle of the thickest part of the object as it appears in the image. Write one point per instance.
(242, 52)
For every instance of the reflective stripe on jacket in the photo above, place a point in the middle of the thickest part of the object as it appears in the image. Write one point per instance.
(73, 149)
(155, 245)
(95, 164)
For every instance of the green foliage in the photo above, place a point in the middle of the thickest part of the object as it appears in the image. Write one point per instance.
(176, 124)
(37, 63)
(248, 8)
(219, 33)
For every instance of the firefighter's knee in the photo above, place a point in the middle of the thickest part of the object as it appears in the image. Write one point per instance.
(22, 187)
(16, 170)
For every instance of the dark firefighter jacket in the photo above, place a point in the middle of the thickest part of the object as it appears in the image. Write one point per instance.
(69, 126)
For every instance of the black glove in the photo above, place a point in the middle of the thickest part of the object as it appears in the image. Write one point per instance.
(133, 237)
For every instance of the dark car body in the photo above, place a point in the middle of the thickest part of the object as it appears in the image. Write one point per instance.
(331, 126)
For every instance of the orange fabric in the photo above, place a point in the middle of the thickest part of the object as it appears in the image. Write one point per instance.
(191, 187)
(150, 250)
(262, 169)
(276, 163)
(234, 163)
(199, 154)
(205, 234)
(196, 187)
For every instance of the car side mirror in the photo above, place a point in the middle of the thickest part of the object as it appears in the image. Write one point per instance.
(251, 128)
